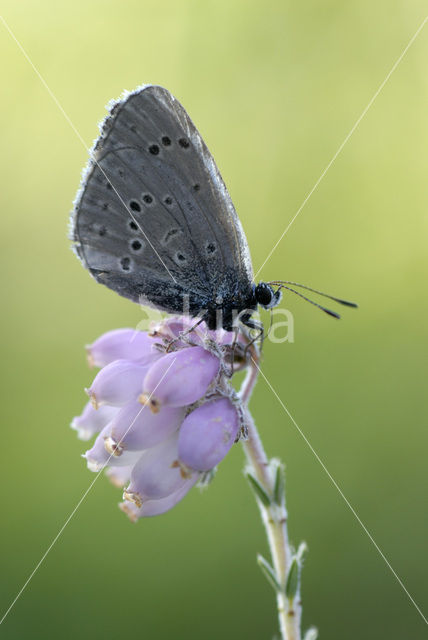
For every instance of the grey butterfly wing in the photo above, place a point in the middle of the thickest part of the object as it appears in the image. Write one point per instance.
(153, 219)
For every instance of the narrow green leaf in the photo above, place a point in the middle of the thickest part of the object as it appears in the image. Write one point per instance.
(292, 583)
(259, 490)
(268, 572)
(279, 487)
(301, 552)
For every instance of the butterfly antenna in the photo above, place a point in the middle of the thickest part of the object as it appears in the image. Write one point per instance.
(328, 311)
(346, 303)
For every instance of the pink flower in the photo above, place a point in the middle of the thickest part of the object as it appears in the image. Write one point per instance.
(163, 409)
(207, 434)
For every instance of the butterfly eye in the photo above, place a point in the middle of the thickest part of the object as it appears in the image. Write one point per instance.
(265, 295)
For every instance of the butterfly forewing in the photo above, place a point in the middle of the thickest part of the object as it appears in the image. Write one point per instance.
(153, 219)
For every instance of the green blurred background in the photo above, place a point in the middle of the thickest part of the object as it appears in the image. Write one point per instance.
(274, 88)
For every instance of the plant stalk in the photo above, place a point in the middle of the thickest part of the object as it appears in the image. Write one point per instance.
(274, 515)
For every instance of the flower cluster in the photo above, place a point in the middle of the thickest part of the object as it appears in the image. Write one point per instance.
(162, 409)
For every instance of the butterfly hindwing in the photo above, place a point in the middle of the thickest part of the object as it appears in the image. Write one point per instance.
(153, 219)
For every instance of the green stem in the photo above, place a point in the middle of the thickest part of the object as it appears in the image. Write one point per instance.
(274, 517)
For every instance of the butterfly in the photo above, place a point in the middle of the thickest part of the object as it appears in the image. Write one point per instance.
(153, 219)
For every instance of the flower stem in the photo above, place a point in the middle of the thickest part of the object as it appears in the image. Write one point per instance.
(271, 502)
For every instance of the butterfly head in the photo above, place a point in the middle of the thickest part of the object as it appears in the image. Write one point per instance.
(265, 296)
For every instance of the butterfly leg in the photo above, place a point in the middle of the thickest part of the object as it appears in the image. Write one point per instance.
(232, 350)
(183, 334)
(247, 321)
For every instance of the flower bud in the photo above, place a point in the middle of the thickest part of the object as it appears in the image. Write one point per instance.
(122, 344)
(117, 383)
(157, 507)
(92, 421)
(135, 427)
(207, 434)
(179, 378)
(156, 474)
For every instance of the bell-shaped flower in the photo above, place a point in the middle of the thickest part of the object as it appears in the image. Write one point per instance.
(157, 507)
(157, 473)
(207, 434)
(117, 383)
(105, 453)
(91, 420)
(135, 427)
(179, 378)
(122, 344)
